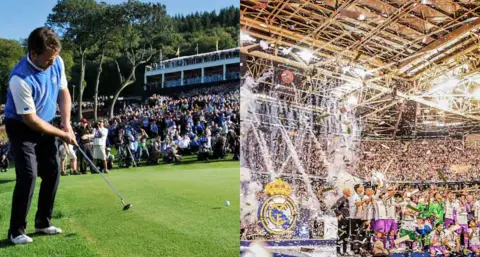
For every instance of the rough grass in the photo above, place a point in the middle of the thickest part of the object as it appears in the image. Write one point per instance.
(178, 210)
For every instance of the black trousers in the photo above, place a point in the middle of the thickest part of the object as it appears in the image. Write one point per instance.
(82, 162)
(343, 235)
(357, 234)
(35, 154)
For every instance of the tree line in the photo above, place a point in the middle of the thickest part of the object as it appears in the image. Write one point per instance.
(106, 46)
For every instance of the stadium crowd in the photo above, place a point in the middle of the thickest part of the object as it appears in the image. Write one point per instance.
(409, 161)
(419, 160)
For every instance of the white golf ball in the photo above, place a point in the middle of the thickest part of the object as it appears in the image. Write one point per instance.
(227, 203)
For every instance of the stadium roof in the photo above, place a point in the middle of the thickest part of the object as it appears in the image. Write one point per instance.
(413, 64)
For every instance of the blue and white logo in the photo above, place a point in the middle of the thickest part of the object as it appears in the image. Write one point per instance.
(54, 80)
(278, 214)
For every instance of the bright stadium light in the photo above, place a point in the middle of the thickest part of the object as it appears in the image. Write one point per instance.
(444, 104)
(361, 72)
(443, 85)
(244, 37)
(306, 55)
(476, 93)
(352, 99)
(286, 50)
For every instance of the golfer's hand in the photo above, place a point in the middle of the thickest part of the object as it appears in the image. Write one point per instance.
(67, 128)
(340, 217)
(69, 138)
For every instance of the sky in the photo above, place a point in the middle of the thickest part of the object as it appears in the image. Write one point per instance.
(14, 25)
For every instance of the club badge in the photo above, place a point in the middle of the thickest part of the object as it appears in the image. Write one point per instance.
(278, 214)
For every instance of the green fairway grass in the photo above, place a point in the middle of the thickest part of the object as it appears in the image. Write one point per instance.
(178, 210)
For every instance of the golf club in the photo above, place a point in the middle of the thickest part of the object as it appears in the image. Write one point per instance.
(125, 206)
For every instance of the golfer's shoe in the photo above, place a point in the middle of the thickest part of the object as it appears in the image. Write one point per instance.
(49, 231)
(21, 239)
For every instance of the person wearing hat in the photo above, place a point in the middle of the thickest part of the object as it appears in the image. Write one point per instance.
(86, 143)
(36, 84)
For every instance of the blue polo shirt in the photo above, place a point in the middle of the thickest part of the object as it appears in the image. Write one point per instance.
(34, 90)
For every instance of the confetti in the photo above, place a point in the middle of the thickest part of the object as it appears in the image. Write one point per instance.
(328, 189)
(442, 176)
(323, 116)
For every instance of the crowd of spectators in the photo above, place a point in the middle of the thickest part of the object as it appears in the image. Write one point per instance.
(203, 122)
(414, 161)
(419, 160)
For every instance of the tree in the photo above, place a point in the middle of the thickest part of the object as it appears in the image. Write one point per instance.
(141, 23)
(67, 56)
(75, 21)
(11, 52)
(107, 40)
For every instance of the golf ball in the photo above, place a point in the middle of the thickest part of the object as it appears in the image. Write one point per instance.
(227, 203)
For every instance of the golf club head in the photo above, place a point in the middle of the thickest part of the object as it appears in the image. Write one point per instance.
(127, 206)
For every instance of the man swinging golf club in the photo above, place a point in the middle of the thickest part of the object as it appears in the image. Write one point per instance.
(36, 85)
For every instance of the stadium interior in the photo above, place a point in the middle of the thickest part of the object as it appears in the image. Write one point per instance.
(355, 92)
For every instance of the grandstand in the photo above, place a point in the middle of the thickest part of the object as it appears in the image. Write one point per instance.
(197, 69)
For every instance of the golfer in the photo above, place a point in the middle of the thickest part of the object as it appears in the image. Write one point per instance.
(36, 84)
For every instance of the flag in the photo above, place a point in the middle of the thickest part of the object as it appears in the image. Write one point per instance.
(217, 44)
(178, 52)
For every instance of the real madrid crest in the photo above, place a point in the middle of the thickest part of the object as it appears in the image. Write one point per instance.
(278, 213)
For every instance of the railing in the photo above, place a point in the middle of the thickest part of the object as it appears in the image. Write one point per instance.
(196, 80)
(195, 59)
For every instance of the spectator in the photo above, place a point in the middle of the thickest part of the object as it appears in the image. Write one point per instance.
(110, 159)
(99, 145)
(4, 163)
(142, 145)
(86, 136)
(64, 152)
